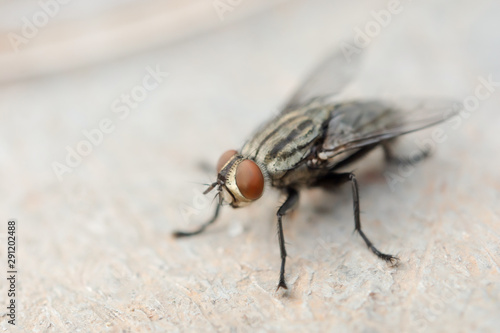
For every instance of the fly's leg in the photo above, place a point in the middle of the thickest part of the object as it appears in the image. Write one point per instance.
(179, 234)
(291, 200)
(345, 177)
(413, 159)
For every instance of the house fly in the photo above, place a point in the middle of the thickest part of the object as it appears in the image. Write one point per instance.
(311, 139)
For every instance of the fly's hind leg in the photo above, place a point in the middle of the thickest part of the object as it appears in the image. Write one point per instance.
(340, 178)
(413, 158)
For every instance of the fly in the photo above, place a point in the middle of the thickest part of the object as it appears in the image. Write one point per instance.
(311, 140)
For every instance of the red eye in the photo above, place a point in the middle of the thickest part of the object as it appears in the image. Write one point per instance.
(225, 158)
(250, 180)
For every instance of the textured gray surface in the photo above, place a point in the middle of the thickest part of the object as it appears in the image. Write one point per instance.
(95, 249)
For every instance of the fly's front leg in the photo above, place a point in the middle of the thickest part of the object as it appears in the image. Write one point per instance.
(291, 200)
(179, 234)
(345, 177)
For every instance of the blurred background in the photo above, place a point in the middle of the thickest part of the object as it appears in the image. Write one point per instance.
(110, 111)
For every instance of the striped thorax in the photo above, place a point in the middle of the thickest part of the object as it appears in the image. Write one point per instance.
(281, 145)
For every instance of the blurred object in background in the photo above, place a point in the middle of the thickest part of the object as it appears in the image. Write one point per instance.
(48, 36)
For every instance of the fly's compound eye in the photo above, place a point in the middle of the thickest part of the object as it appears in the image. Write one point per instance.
(225, 158)
(250, 180)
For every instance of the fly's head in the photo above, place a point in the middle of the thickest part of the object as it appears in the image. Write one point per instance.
(240, 181)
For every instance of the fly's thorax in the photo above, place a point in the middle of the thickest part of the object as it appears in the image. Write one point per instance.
(286, 140)
(241, 179)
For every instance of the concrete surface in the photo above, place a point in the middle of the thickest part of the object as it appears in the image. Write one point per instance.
(94, 248)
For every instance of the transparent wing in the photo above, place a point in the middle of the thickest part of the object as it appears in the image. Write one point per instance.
(359, 124)
(326, 80)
